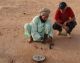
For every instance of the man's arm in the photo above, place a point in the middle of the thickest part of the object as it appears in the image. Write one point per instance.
(57, 15)
(34, 32)
(71, 16)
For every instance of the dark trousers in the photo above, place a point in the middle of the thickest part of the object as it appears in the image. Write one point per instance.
(70, 25)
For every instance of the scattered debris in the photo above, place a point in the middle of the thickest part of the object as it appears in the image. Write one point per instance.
(24, 13)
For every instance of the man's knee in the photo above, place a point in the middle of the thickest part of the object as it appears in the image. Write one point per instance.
(72, 24)
(27, 27)
(57, 27)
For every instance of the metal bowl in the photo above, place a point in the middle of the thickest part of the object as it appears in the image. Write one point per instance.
(38, 58)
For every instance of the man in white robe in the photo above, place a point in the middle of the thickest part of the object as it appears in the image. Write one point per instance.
(40, 29)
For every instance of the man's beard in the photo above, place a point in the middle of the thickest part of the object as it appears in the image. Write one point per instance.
(43, 21)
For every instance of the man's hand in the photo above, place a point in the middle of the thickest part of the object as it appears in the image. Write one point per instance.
(30, 40)
(65, 24)
(49, 40)
(65, 27)
(59, 24)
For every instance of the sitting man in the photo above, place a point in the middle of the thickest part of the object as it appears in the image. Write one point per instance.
(40, 28)
(65, 18)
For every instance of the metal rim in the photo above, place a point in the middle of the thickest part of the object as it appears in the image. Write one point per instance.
(38, 58)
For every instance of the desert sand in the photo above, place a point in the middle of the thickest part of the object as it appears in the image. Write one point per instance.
(14, 47)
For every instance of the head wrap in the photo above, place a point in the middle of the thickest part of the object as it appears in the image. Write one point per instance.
(44, 11)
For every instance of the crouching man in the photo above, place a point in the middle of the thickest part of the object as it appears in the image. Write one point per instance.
(65, 18)
(40, 29)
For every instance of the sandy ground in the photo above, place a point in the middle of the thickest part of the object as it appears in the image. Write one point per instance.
(13, 45)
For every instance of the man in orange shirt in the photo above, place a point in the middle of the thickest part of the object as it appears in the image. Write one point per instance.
(65, 18)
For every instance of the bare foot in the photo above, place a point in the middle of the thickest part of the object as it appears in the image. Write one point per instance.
(29, 40)
(59, 33)
(69, 36)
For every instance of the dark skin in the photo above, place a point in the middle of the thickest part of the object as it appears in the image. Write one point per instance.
(43, 18)
(30, 40)
(46, 39)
